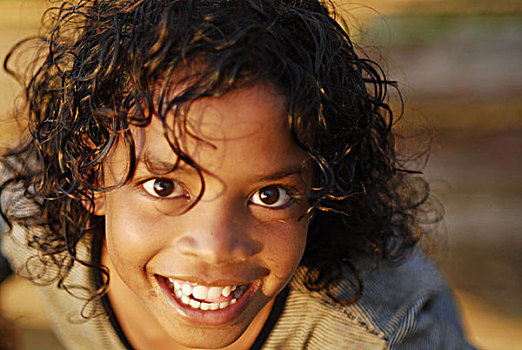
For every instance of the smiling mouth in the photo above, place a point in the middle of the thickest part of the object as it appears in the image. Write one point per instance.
(205, 298)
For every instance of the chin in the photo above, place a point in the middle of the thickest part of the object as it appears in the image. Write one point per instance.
(199, 338)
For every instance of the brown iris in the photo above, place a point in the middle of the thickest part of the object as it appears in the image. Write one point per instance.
(269, 195)
(163, 187)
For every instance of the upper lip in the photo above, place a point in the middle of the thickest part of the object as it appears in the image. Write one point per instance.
(229, 277)
(218, 282)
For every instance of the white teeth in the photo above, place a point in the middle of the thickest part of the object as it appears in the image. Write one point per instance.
(203, 292)
(214, 292)
(187, 293)
(226, 291)
(200, 292)
(177, 285)
(194, 304)
(185, 300)
(186, 289)
(206, 306)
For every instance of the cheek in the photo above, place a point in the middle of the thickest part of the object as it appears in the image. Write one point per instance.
(285, 244)
(130, 242)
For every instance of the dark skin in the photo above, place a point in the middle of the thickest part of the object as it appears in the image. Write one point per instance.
(245, 231)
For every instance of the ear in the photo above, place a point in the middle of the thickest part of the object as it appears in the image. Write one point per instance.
(98, 202)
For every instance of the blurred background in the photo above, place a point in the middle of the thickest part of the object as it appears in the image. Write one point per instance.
(458, 63)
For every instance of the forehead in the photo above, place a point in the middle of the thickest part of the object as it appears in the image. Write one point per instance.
(245, 127)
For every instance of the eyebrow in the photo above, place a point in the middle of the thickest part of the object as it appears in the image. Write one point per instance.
(291, 171)
(156, 166)
(161, 167)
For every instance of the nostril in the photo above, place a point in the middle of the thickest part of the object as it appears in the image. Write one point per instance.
(216, 249)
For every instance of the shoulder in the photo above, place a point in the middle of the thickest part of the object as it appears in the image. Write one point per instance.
(16, 247)
(412, 305)
(73, 318)
(406, 306)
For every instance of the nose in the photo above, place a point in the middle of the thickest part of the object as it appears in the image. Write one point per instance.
(217, 232)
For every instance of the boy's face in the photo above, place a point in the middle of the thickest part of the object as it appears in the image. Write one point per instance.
(243, 234)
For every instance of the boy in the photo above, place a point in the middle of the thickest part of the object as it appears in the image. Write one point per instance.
(218, 174)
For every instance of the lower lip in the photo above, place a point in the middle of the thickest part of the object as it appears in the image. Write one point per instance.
(209, 317)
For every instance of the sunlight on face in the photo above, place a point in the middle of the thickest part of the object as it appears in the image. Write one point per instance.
(236, 248)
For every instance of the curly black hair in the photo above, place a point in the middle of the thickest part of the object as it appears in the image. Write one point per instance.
(97, 74)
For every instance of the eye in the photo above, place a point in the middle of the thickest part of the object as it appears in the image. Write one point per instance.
(164, 188)
(271, 197)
